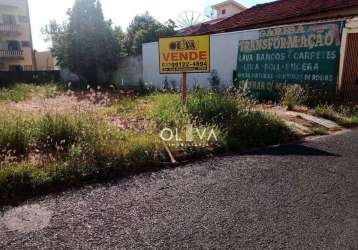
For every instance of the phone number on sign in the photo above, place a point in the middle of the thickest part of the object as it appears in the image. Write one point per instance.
(185, 64)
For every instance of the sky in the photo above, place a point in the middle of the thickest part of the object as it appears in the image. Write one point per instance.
(120, 11)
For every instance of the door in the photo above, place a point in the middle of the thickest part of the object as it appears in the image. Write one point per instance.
(349, 87)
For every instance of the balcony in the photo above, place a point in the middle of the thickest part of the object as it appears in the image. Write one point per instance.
(10, 28)
(11, 3)
(11, 54)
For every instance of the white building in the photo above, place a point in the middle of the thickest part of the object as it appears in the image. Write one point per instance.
(228, 8)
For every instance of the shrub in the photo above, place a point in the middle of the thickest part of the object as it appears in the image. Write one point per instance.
(210, 108)
(254, 129)
(15, 135)
(293, 95)
(166, 109)
(58, 132)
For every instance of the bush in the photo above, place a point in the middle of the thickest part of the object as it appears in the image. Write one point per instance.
(293, 95)
(166, 109)
(59, 132)
(15, 135)
(210, 108)
(255, 129)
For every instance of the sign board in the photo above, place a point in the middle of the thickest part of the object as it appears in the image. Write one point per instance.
(186, 54)
(297, 54)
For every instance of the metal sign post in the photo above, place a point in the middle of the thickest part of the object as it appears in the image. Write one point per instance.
(184, 89)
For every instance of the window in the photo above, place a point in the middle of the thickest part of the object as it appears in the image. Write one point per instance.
(13, 45)
(3, 45)
(26, 44)
(8, 19)
(223, 11)
(23, 19)
(15, 68)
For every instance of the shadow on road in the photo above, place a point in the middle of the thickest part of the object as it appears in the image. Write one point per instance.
(293, 150)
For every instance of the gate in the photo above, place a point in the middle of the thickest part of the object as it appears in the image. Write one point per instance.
(349, 84)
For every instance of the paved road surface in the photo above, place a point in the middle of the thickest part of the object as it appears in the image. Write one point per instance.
(291, 197)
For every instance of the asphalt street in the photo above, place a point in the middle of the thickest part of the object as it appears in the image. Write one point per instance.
(301, 196)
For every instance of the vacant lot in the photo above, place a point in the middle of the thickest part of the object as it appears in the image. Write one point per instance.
(51, 137)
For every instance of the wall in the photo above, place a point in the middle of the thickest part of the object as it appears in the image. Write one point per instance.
(44, 61)
(129, 71)
(224, 55)
(223, 50)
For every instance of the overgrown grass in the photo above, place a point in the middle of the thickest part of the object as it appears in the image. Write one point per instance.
(125, 105)
(293, 96)
(17, 93)
(319, 130)
(255, 129)
(15, 136)
(59, 132)
(166, 109)
(81, 147)
(212, 108)
(21, 92)
(342, 117)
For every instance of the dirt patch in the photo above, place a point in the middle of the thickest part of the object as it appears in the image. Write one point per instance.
(59, 104)
(27, 219)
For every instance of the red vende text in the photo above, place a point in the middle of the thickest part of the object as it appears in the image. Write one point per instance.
(185, 56)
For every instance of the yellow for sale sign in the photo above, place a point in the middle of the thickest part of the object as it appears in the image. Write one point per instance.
(190, 54)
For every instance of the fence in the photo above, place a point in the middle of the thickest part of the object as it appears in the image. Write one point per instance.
(10, 77)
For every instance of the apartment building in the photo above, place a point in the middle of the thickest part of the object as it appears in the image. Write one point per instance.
(16, 51)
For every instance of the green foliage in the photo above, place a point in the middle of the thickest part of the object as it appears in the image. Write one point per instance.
(59, 132)
(293, 95)
(319, 130)
(15, 135)
(21, 179)
(17, 93)
(166, 109)
(57, 34)
(255, 129)
(143, 29)
(77, 148)
(211, 108)
(22, 92)
(121, 37)
(125, 105)
(86, 44)
(343, 117)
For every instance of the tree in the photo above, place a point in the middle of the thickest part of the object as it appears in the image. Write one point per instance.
(57, 33)
(121, 40)
(87, 44)
(145, 28)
